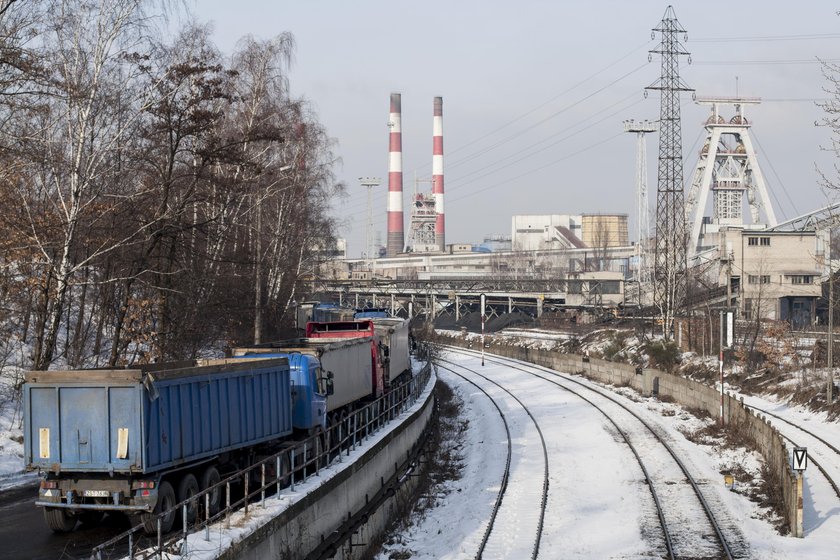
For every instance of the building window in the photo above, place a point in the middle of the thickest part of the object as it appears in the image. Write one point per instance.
(801, 279)
(756, 241)
(759, 279)
(747, 314)
(765, 241)
(752, 241)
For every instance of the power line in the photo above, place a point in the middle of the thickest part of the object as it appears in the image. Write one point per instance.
(544, 120)
(540, 168)
(763, 62)
(499, 165)
(766, 38)
(545, 103)
(778, 178)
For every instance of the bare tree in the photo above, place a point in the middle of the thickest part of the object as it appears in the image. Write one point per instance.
(65, 136)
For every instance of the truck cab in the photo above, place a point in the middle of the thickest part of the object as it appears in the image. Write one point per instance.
(310, 388)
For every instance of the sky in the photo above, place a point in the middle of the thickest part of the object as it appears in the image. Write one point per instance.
(535, 93)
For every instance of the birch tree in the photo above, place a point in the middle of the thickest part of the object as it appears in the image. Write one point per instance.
(67, 135)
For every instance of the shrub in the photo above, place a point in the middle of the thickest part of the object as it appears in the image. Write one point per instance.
(664, 355)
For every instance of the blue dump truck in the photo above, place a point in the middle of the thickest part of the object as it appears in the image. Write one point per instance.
(139, 440)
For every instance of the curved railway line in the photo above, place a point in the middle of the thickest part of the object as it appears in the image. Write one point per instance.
(822, 443)
(506, 475)
(668, 497)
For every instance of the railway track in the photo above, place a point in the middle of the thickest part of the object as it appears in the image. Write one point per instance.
(828, 454)
(499, 545)
(681, 506)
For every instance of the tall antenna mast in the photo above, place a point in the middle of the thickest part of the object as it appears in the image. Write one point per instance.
(670, 255)
(642, 210)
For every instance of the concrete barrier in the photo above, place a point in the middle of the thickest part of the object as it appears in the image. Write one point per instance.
(686, 392)
(307, 527)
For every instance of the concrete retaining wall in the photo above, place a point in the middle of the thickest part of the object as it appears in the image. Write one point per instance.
(686, 392)
(299, 530)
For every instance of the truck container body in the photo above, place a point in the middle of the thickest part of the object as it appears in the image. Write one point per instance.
(142, 421)
(392, 336)
(340, 329)
(309, 401)
(370, 313)
(327, 312)
(355, 329)
(349, 360)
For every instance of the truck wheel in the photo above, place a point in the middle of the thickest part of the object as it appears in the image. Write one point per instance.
(210, 477)
(58, 520)
(165, 501)
(188, 488)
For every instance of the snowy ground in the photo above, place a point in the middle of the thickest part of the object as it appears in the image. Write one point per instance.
(598, 507)
(11, 436)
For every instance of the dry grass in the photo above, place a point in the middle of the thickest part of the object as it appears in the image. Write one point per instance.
(443, 464)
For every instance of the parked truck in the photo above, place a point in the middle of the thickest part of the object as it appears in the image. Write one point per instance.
(389, 341)
(347, 363)
(392, 337)
(139, 440)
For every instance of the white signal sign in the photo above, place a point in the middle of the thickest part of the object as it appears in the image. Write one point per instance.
(730, 328)
(800, 458)
(483, 304)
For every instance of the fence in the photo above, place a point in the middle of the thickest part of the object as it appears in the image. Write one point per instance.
(282, 470)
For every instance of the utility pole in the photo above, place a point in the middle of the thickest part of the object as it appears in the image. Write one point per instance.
(829, 391)
(369, 182)
(670, 255)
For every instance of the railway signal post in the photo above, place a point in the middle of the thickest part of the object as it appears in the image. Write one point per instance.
(483, 318)
(727, 328)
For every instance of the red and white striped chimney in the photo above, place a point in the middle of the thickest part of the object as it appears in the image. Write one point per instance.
(395, 181)
(437, 174)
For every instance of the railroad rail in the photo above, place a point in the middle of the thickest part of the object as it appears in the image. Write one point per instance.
(811, 434)
(725, 548)
(506, 476)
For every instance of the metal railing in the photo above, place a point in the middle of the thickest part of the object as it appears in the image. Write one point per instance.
(280, 471)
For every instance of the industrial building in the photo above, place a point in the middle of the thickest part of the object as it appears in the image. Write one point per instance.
(564, 231)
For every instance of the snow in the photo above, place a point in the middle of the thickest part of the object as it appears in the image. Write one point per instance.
(11, 433)
(220, 538)
(598, 506)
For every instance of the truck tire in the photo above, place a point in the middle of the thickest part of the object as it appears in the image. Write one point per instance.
(58, 520)
(165, 501)
(188, 488)
(210, 477)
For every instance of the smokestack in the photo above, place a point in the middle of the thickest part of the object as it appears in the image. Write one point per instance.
(395, 182)
(437, 173)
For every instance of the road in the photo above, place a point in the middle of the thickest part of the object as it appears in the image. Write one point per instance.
(23, 533)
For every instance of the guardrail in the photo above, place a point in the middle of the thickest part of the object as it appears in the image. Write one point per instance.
(275, 473)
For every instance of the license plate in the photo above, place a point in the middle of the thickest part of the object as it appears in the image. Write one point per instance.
(97, 494)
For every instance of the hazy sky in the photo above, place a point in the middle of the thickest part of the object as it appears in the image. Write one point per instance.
(535, 92)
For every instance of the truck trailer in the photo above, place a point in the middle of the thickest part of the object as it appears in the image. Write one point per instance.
(139, 440)
(347, 363)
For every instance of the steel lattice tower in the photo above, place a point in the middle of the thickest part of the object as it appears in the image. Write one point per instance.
(670, 255)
